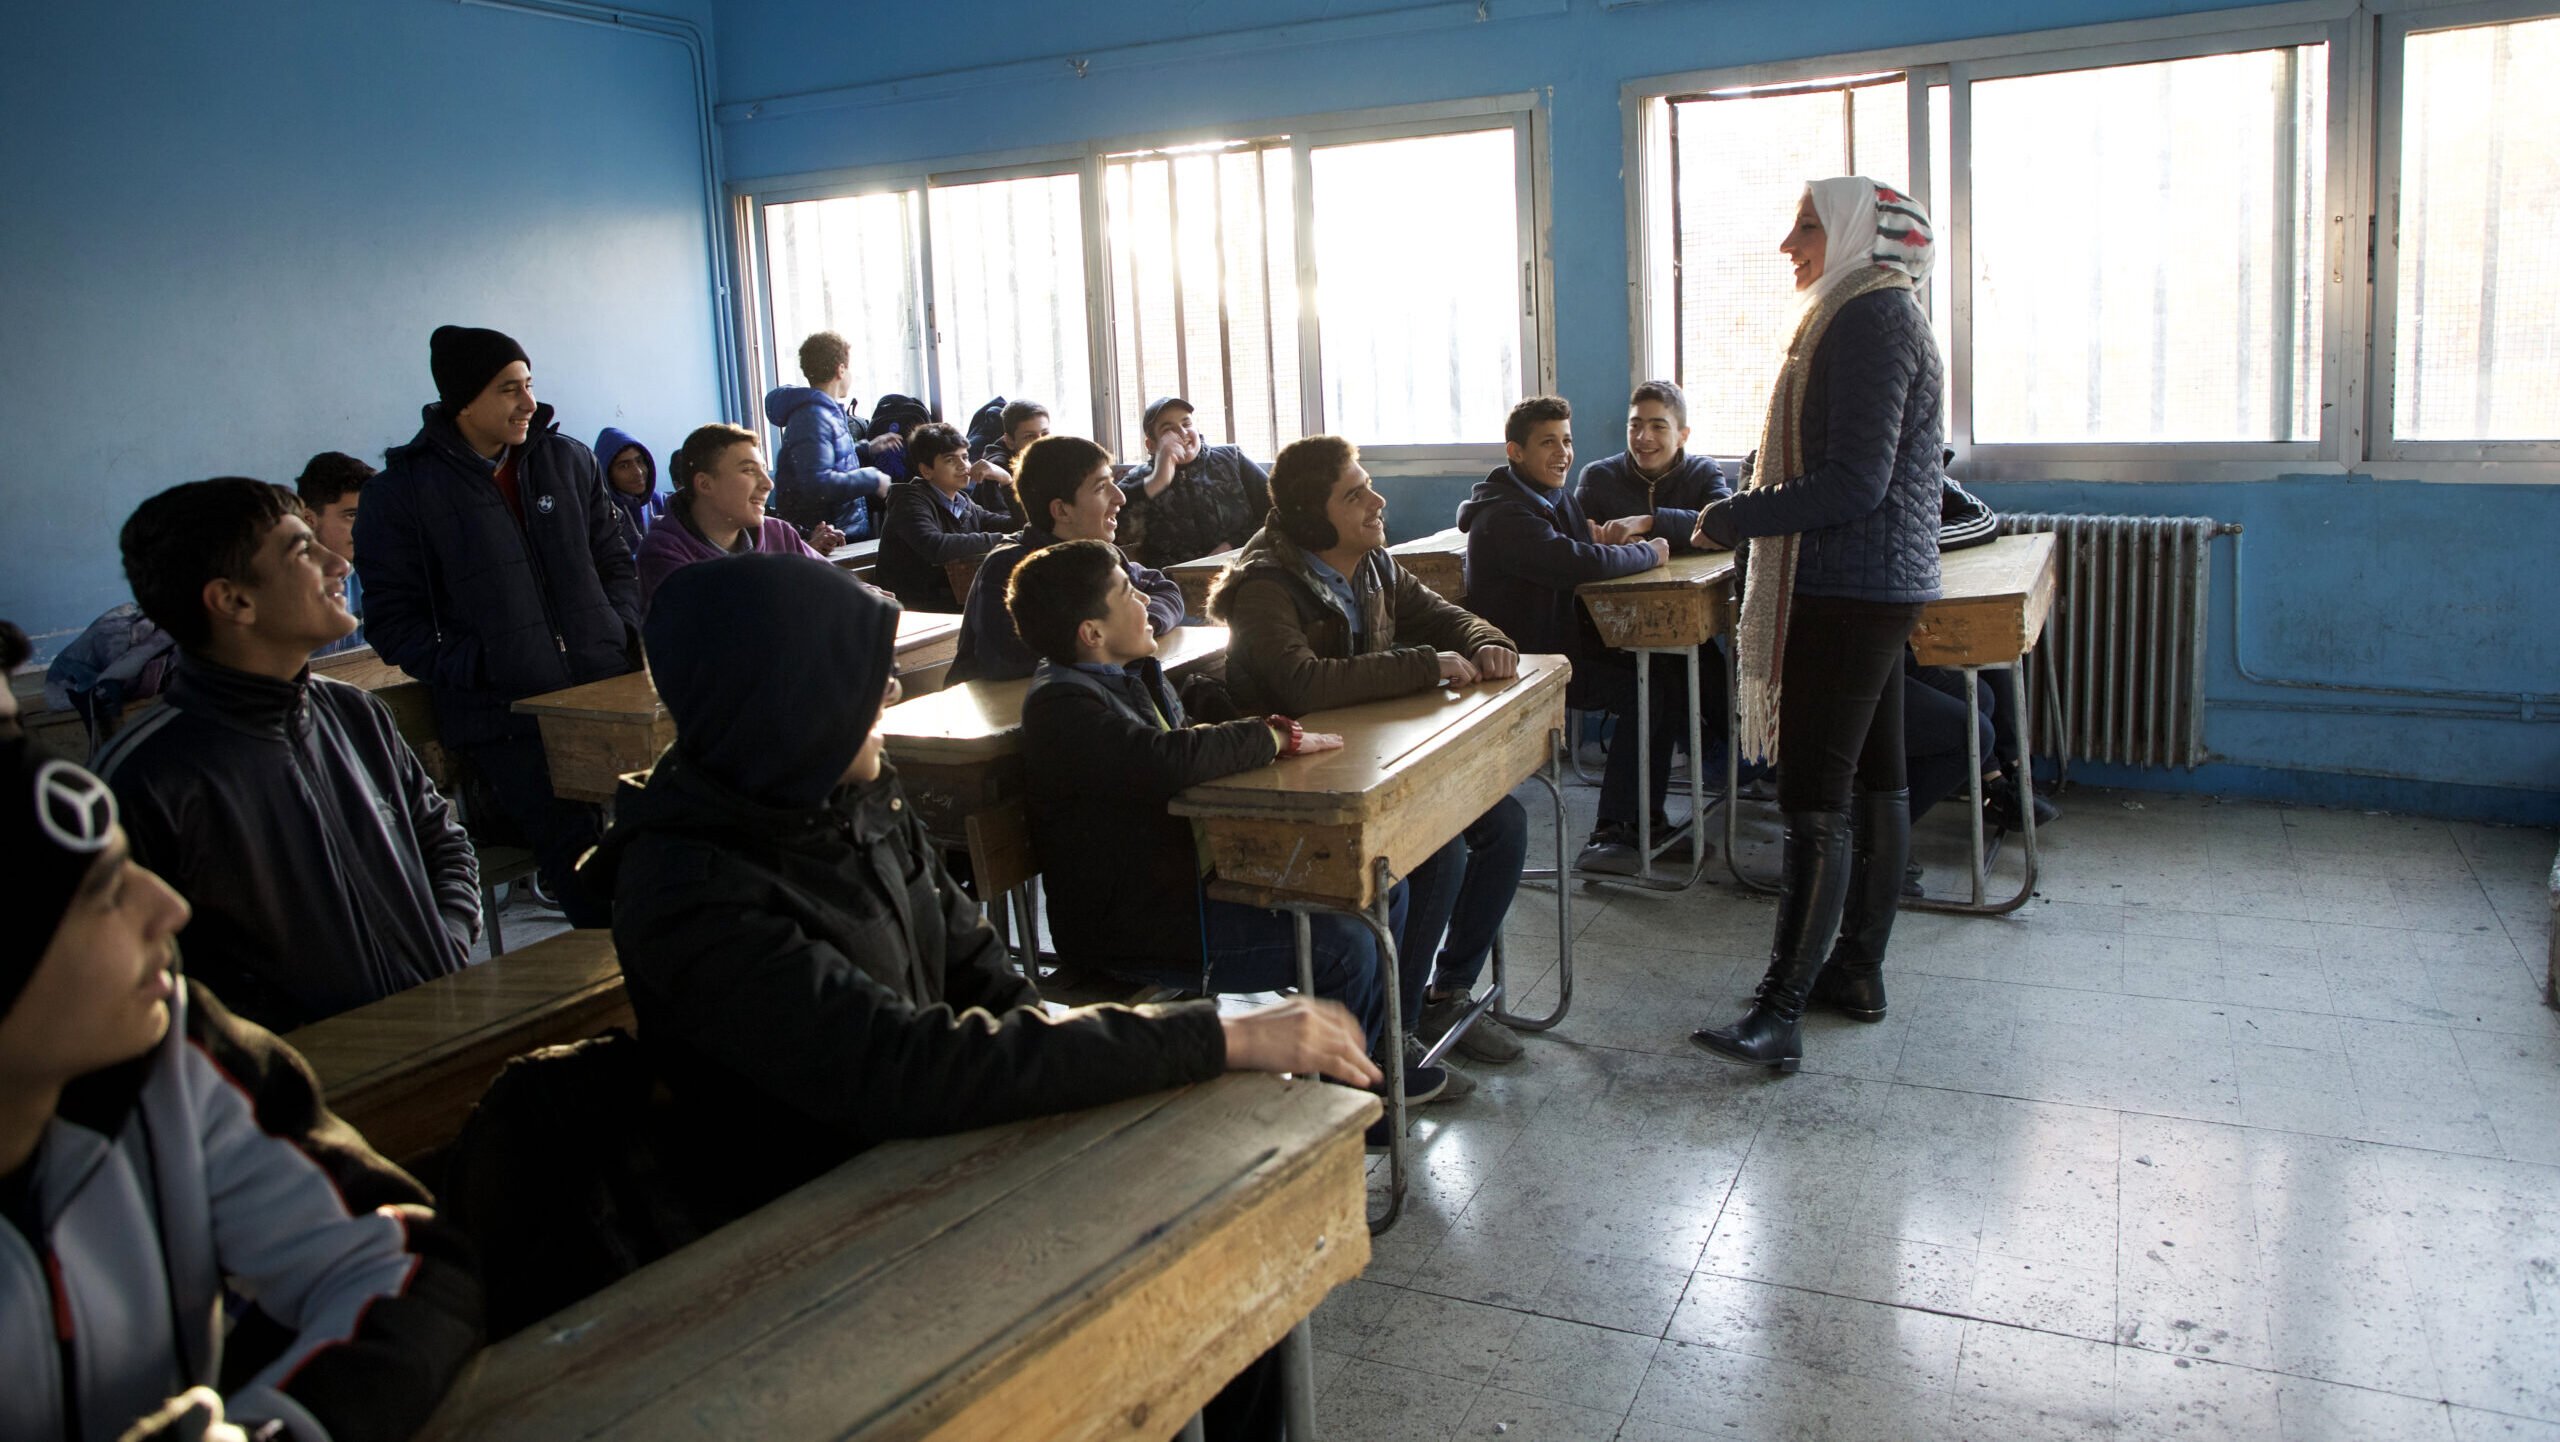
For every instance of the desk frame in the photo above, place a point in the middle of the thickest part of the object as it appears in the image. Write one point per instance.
(1381, 928)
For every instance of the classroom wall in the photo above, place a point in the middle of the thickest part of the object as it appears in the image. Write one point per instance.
(2349, 580)
(230, 225)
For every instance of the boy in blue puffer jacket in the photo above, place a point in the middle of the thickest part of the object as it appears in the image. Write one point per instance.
(822, 473)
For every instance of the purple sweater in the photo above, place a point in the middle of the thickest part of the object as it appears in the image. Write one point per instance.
(672, 545)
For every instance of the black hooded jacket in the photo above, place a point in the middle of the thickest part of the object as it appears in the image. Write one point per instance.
(486, 609)
(809, 979)
(325, 869)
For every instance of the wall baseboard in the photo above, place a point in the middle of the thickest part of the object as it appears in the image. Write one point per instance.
(2504, 805)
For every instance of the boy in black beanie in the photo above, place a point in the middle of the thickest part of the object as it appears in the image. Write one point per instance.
(494, 569)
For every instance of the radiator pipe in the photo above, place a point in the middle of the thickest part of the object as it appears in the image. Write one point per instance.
(2530, 706)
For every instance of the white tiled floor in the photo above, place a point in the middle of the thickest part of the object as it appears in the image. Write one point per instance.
(2248, 1125)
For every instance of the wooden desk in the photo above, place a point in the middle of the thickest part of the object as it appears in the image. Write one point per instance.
(1991, 605)
(860, 557)
(1439, 561)
(1672, 609)
(958, 750)
(1194, 578)
(1679, 603)
(406, 1070)
(1412, 773)
(594, 734)
(1095, 1275)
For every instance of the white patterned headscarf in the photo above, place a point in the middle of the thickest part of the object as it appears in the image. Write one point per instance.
(1865, 223)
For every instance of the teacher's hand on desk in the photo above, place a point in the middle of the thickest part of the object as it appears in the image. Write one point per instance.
(1304, 1034)
(1496, 663)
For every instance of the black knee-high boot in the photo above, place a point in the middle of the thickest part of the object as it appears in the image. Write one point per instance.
(1852, 984)
(1813, 884)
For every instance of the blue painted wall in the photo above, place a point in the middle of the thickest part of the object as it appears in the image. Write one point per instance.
(230, 225)
(2349, 580)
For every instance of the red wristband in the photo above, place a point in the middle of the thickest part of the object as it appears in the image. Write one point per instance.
(1296, 733)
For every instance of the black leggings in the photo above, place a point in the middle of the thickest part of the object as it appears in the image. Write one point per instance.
(1840, 700)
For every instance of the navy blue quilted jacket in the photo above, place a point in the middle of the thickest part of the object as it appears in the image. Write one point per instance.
(482, 609)
(1867, 503)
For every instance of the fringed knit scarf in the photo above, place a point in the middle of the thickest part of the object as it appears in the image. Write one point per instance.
(1768, 582)
(1876, 238)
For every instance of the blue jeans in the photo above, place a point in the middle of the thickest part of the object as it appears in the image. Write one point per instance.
(1252, 949)
(1465, 889)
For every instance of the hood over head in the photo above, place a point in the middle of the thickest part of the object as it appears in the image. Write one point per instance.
(781, 401)
(779, 733)
(611, 442)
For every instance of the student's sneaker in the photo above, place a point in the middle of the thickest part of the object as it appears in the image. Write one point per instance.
(2000, 807)
(1680, 847)
(1611, 851)
(1486, 1041)
(1911, 880)
(1455, 1085)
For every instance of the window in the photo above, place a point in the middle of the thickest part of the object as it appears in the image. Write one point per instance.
(1739, 160)
(2146, 250)
(848, 265)
(2475, 350)
(1204, 278)
(1374, 274)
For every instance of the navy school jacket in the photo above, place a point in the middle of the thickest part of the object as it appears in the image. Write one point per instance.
(1527, 548)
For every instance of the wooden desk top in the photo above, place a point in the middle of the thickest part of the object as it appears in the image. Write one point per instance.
(405, 1069)
(1093, 1275)
(1438, 560)
(983, 719)
(856, 555)
(1413, 772)
(634, 697)
(1992, 604)
(1194, 578)
(1679, 603)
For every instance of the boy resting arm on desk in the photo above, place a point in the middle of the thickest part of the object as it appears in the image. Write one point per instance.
(1322, 616)
(1105, 745)
(1064, 485)
(809, 979)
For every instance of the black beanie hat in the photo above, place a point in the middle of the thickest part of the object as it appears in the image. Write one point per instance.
(465, 359)
(55, 818)
(780, 735)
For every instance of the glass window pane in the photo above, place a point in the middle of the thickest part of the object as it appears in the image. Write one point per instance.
(1418, 287)
(2145, 250)
(848, 265)
(1009, 298)
(2478, 331)
(1742, 161)
(1204, 277)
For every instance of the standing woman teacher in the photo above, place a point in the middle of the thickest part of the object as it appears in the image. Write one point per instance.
(1841, 509)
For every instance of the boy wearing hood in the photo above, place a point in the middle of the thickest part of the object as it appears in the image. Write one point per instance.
(1319, 616)
(822, 477)
(1064, 483)
(327, 870)
(1528, 546)
(631, 478)
(162, 1160)
(809, 979)
(494, 569)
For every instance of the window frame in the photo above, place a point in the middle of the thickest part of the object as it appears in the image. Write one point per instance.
(2391, 76)
(2361, 178)
(1523, 113)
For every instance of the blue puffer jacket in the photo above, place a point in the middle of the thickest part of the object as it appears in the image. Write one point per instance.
(820, 471)
(1867, 503)
(483, 609)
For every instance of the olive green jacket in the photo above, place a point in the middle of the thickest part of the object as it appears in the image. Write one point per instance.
(1289, 649)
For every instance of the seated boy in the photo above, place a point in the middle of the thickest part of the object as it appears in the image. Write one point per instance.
(1320, 615)
(991, 470)
(809, 979)
(932, 521)
(180, 1207)
(1528, 546)
(1064, 484)
(1105, 745)
(331, 487)
(326, 870)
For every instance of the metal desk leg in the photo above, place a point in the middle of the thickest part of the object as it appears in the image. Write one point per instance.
(1298, 1383)
(2025, 778)
(1553, 779)
(1194, 1430)
(1381, 926)
(1644, 876)
(1973, 766)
